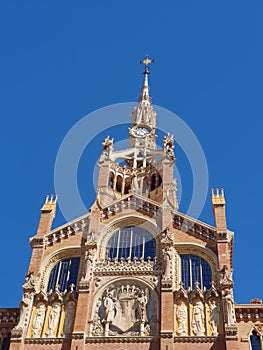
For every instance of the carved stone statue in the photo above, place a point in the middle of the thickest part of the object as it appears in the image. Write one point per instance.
(69, 317)
(181, 315)
(198, 318)
(229, 311)
(167, 264)
(142, 301)
(107, 148)
(226, 277)
(25, 307)
(109, 308)
(53, 320)
(38, 320)
(168, 143)
(167, 237)
(214, 317)
(91, 238)
(31, 283)
(87, 267)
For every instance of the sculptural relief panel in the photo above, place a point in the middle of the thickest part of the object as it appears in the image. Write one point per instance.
(53, 314)
(127, 307)
(198, 313)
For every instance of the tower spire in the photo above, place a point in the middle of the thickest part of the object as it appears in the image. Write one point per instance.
(145, 88)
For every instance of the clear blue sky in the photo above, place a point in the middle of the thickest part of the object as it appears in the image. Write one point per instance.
(62, 59)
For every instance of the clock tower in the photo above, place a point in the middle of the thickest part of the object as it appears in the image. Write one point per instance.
(133, 271)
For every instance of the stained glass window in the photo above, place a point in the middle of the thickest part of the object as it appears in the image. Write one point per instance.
(131, 242)
(64, 273)
(195, 268)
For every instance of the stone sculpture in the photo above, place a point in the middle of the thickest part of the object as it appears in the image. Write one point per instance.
(181, 315)
(53, 320)
(198, 318)
(38, 320)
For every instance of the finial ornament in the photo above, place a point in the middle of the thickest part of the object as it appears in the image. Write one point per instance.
(147, 61)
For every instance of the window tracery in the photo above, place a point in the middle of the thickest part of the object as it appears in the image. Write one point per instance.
(63, 274)
(194, 268)
(129, 243)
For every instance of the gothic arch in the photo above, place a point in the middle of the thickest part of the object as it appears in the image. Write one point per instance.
(123, 222)
(50, 261)
(118, 288)
(195, 249)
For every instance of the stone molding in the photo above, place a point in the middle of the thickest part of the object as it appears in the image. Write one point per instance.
(44, 340)
(111, 268)
(166, 334)
(121, 339)
(37, 241)
(191, 339)
(231, 332)
(78, 335)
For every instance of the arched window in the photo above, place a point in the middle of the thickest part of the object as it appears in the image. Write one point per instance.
(255, 341)
(195, 268)
(63, 274)
(131, 242)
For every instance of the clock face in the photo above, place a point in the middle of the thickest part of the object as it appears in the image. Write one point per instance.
(141, 132)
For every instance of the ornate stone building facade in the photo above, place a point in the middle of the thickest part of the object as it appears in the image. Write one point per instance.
(134, 271)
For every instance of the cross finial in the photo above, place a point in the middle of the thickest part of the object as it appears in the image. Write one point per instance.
(147, 61)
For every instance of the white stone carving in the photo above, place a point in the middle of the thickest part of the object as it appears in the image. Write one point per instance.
(229, 311)
(87, 266)
(38, 320)
(53, 320)
(69, 318)
(31, 283)
(97, 327)
(198, 318)
(142, 301)
(108, 267)
(168, 143)
(110, 308)
(144, 115)
(107, 148)
(123, 309)
(214, 317)
(181, 315)
(25, 308)
(226, 277)
(167, 257)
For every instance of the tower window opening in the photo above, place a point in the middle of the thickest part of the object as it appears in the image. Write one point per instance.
(131, 242)
(111, 179)
(64, 273)
(195, 269)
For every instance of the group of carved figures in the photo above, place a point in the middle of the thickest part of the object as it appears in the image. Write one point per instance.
(199, 313)
(52, 316)
(48, 319)
(124, 310)
(197, 318)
